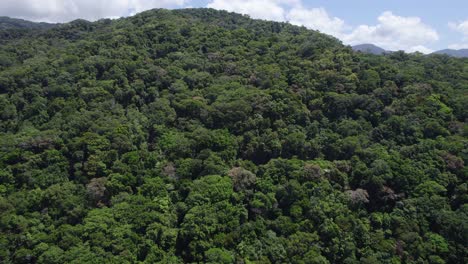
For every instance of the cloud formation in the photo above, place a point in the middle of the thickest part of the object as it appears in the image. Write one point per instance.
(316, 18)
(395, 33)
(460, 27)
(260, 9)
(67, 10)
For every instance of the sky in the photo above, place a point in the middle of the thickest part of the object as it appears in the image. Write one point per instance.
(410, 25)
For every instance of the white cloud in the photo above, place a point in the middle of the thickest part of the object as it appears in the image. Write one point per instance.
(460, 27)
(420, 48)
(459, 46)
(67, 10)
(261, 9)
(395, 33)
(316, 18)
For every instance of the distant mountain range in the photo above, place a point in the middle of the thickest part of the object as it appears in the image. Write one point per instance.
(461, 53)
(370, 48)
(373, 49)
(14, 23)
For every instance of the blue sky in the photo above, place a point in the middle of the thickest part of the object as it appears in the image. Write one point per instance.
(435, 13)
(411, 25)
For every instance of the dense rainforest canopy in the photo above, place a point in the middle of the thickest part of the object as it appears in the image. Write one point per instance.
(205, 136)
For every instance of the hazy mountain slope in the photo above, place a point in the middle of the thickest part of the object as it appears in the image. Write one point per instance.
(369, 48)
(462, 53)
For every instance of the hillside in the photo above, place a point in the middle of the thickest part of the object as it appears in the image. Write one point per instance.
(11, 28)
(198, 135)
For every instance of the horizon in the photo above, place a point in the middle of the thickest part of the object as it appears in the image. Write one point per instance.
(392, 26)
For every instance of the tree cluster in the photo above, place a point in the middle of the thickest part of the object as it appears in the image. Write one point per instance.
(205, 136)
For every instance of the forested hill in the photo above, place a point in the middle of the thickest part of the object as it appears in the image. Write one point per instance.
(13, 23)
(204, 136)
(16, 28)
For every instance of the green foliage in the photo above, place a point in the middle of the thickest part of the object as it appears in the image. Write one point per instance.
(197, 135)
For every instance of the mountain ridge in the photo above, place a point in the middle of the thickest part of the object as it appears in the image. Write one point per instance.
(458, 53)
(376, 50)
(8, 23)
(16, 23)
(370, 49)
